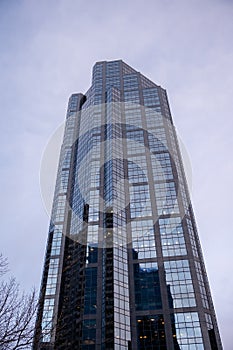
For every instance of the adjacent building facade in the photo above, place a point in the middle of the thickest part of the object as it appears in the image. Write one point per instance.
(123, 267)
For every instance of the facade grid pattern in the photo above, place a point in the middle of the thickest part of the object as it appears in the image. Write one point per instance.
(123, 267)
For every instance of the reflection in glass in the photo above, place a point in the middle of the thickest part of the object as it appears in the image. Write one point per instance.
(143, 240)
(178, 278)
(89, 335)
(147, 288)
(187, 330)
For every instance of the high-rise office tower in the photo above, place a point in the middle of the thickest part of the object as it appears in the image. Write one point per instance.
(123, 267)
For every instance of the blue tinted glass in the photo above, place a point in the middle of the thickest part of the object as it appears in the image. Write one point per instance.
(147, 288)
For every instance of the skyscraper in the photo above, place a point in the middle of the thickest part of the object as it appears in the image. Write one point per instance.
(123, 267)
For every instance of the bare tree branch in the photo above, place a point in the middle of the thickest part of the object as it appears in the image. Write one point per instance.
(3, 265)
(17, 313)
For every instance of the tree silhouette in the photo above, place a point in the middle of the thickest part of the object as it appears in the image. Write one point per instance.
(17, 313)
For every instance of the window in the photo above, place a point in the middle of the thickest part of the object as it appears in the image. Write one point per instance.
(172, 237)
(135, 142)
(130, 82)
(179, 284)
(94, 205)
(143, 240)
(131, 96)
(161, 167)
(166, 198)
(192, 237)
(151, 332)
(136, 173)
(151, 97)
(47, 319)
(90, 294)
(140, 201)
(201, 285)
(133, 118)
(187, 331)
(89, 334)
(147, 287)
(157, 140)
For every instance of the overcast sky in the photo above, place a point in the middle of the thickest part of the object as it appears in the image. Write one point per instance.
(47, 50)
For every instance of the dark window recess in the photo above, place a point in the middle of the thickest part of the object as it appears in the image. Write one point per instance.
(109, 220)
(85, 212)
(151, 332)
(90, 295)
(109, 285)
(92, 254)
(147, 289)
(213, 342)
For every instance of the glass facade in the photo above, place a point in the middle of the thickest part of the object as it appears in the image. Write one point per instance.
(124, 268)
